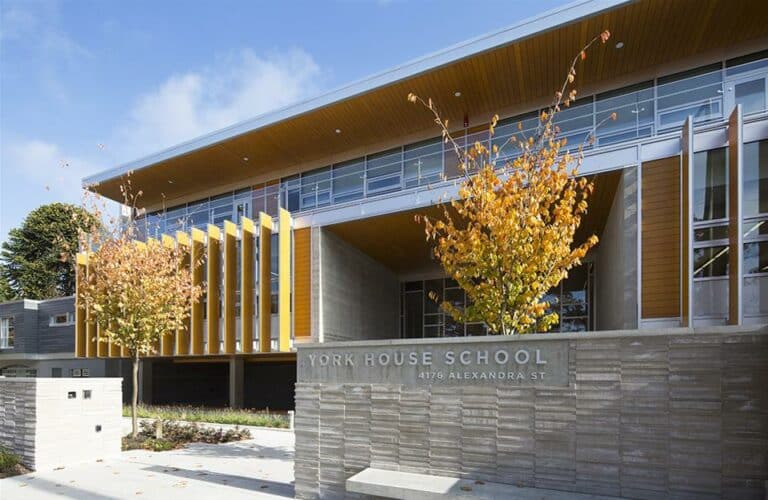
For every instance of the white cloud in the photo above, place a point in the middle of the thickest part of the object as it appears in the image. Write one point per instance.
(236, 87)
(44, 165)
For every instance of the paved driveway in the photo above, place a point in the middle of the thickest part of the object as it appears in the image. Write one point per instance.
(261, 467)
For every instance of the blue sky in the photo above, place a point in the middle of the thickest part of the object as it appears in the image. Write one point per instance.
(86, 85)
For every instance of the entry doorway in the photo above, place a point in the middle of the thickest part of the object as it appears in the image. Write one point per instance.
(422, 317)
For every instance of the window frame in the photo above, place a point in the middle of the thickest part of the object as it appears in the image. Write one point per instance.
(7, 332)
(69, 319)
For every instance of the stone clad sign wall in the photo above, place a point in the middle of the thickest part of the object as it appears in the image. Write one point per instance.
(642, 414)
(52, 422)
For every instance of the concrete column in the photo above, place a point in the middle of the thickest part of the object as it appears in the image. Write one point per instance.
(236, 381)
(617, 259)
(145, 381)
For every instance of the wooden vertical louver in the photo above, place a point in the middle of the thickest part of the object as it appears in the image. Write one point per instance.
(661, 238)
(302, 262)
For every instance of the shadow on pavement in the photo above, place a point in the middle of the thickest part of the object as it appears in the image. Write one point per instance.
(52, 488)
(243, 482)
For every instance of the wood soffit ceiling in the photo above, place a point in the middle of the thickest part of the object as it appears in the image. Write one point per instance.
(398, 242)
(655, 32)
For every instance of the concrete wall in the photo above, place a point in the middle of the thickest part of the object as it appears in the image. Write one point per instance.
(616, 272)
(644, 414)
(41, 422)
(354, 296)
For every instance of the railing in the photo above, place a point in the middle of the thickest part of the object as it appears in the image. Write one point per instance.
(648, 109)
(643, 110)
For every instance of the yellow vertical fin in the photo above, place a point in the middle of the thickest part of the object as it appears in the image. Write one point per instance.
(167, 341)
(265, 282)
(246, 284)
(182, 335)
(230, 283)
(284, 278)
(214, 288)
(198, 256)
(80, 313)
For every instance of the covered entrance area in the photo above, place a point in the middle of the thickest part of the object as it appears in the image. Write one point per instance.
(384, 271)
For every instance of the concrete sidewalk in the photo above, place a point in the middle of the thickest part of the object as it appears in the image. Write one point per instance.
(261, 467)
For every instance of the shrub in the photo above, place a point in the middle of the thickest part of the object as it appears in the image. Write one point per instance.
(257, 418)
(8, 461)
(177, 434)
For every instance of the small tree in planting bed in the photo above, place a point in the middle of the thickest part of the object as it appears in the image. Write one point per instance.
(507, 238)
(136, 292)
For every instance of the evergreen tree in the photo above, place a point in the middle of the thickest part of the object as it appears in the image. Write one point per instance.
(35, 260)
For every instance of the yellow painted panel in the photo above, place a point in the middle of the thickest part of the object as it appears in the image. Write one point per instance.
(284, 277)
(91, 343)
(265, 282)
(214, 288)
(102, 347)
(155, 351)
(80, 334)
(182, 335)
(114, 350)
(167, 341)
(246, 285)
(230, 283)
(198, 256)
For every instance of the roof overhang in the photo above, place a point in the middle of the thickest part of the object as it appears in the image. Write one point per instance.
(507, 69)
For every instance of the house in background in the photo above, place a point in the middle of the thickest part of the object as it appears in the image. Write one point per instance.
(37, 340)
(305, 215)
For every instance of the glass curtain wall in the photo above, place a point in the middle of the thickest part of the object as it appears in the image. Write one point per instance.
(755, 213)
(642, 110)
(422, 317)
(710, 234)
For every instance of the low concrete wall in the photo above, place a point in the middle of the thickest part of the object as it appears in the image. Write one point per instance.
(641, 414)
(51, 422)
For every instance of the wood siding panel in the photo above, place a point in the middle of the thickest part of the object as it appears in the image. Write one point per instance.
(661, 238)
(735, 230)
(302, 264)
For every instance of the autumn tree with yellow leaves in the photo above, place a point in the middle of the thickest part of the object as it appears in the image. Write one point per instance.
(136, 292)
(508, 237)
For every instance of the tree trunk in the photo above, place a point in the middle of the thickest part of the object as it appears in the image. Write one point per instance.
(135, 396)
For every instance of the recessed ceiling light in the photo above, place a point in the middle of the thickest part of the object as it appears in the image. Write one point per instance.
(170, 181)
(457, 93)
(245, 158)
(619, 45)
(338, 130)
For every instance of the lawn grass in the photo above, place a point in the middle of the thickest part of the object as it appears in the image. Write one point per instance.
(211, 415)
